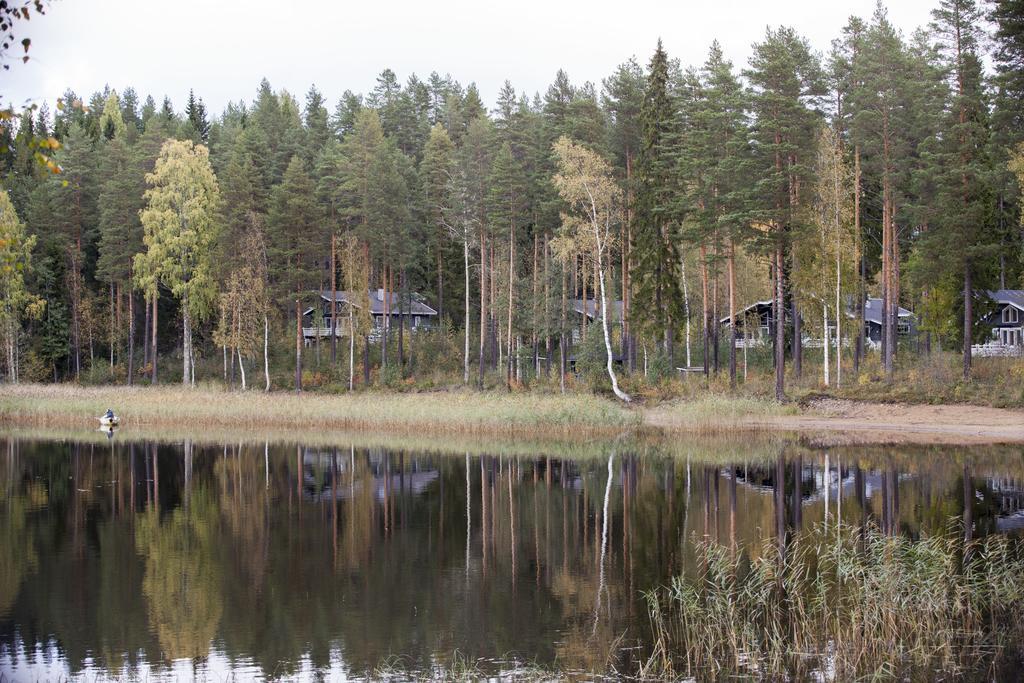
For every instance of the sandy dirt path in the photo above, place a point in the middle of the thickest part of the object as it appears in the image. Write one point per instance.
(843, 421)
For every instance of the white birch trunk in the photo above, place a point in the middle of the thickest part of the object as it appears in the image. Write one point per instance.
(186, 344)
(241, 368)
(839, 317)
(824, 312)
(266, 353)
(686, 311)
(465, 350)
(604, 300)
(351, 349)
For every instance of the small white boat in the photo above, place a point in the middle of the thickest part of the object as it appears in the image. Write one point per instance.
(109, 420)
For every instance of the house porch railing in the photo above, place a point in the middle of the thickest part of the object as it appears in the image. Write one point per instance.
(995, 349)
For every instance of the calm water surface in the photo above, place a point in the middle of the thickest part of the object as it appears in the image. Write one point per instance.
(127, 559)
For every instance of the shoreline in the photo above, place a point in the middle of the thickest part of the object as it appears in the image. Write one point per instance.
(523, 416)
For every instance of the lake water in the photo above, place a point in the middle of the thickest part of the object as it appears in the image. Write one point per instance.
(144, 559)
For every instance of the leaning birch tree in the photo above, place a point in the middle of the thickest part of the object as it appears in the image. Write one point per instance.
(586, 184)
(179, 232)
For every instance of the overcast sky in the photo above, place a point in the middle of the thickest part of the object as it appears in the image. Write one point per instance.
(223, 48)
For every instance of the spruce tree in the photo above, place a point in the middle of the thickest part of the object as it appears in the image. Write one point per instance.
(657, 257)
(197, 126)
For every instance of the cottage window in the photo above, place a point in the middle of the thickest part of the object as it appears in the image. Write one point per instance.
(1010, 315)
(902, 328)
(416, 321)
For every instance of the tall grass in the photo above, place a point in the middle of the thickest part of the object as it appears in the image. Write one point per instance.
(439, 412)
(716, 412)
(842, 604)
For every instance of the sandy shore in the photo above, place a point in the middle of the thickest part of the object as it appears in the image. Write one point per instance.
(843, 421)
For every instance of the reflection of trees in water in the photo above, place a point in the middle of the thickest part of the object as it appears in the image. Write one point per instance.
(373, 552)
(18, 555)
(183, 579)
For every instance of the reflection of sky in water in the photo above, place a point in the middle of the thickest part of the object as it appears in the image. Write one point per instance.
(46, 664)
(302, 563)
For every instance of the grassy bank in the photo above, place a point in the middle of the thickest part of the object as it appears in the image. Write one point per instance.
(855, 603)
(456, 412)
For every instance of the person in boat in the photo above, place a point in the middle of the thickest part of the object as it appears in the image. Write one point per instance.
(109, 414)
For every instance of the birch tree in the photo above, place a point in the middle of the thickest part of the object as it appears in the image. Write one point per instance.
(585, 183)
(16, 302)
(827, 255)
(179, 231)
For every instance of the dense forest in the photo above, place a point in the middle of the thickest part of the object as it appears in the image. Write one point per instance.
(888, 167)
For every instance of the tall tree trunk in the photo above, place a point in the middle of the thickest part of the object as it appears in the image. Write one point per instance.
(628, 344)
(732, 313)
(705, 311)
(858, 345)
(366, 360)
(186, 335)
(825, 364)
(714, 310)
(483, 309)
(131, 337)
(780, 327)
(153, 354)
(351, 348)
(113, 330)
(401, 322)
(546, 326)
(563, 354)
(145, 332)
(440, 287)
(839, 318)
(604, 325)
(266, 351)
(465, 272)
(334, 300)
(534, 336)
(968, 321)
(386, 320)
(686, 311)
(298, 344)
(798, 350)
(511, 296)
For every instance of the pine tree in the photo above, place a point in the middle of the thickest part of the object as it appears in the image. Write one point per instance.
(963, 240)
(787, 84)
(294, 245)
(715, 159)
(436, 171)
(623, 101)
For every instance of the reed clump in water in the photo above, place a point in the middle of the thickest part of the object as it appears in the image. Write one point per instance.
(843, 603)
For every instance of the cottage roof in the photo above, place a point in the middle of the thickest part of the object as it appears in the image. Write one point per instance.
(399, 304)
(873, 311)
(743, 311)
(1013, 297)
(593, 307)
